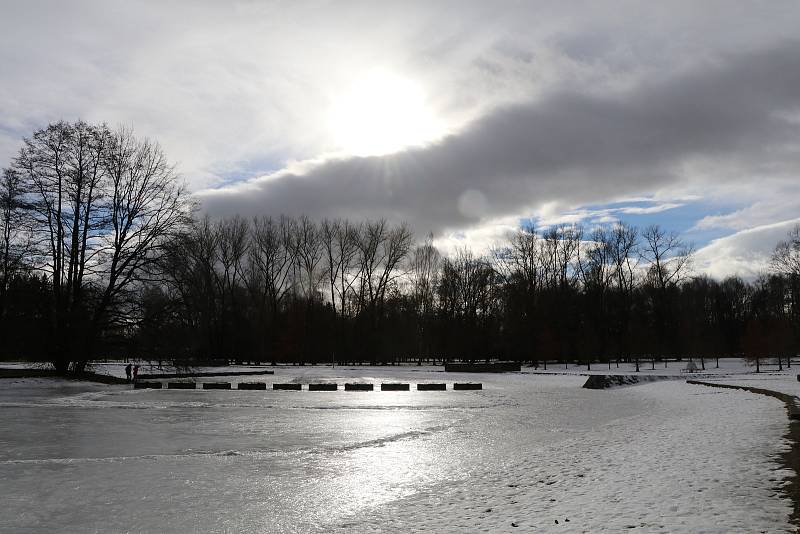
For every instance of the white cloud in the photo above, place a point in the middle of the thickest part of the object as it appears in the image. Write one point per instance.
(553, 107)
(745, 253)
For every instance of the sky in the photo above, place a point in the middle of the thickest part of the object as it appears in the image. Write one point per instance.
(464, 119)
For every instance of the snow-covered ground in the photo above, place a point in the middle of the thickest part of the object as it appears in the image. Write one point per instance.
(727, 366)
(785, 382)
(527, 450)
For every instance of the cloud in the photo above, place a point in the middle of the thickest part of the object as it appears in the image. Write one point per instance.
(567, 147)
(770, 203)
(553, 108)
(745, 253)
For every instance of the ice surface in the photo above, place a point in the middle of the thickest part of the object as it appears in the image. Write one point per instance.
(527, 449)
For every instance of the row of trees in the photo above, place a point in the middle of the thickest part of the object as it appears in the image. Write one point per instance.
(295, 290)
(101, 256)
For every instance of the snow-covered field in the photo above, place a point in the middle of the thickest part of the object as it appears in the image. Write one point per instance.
(785, 382)
(528, 450)
(727, 366)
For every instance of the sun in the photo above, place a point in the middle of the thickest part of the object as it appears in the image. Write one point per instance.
(382, 113)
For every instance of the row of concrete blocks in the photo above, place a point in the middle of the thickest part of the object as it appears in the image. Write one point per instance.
(311, 387)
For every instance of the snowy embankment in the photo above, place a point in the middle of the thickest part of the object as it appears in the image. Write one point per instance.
(696, 460)
(612, 381)
(525, 452)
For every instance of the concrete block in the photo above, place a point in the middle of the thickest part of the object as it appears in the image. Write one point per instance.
(216, 385)
(467, 386)
(323, 387)
(395, 387)
(287, 387)
(431, 387)
(251, 385)
(181, 385)
(358, 387)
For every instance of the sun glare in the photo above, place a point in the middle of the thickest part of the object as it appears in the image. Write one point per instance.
(382, 113)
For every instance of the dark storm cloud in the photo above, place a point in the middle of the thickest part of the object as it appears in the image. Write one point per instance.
(567, 146)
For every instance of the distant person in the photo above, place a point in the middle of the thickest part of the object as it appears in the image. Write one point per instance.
(128, 372)
(135, 372)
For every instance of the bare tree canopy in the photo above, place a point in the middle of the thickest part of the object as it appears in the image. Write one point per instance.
(667, 256)
(786, 257)
(103, 205)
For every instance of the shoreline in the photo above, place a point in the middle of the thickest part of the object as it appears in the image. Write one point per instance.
(10, 373)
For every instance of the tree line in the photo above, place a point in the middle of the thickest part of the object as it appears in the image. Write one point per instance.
(103, 255)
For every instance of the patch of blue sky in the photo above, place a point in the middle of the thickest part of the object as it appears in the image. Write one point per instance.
(241, 171)
(680, 216)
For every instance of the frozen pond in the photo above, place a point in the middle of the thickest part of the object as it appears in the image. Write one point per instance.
(528, 450)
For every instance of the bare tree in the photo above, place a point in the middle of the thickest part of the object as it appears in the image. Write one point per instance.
(668, 257)
(786, 262)
(233, 242)
(146, 207)
(597, 273)
(597, 264)
(560, 256)
(424, 269)
(425, 264)
(104, 204)
(271, 260)
(380, 252)
(191, 267)
(346, 242)
(668, 261)
(466, 294)
(520, 259)
(786, 257)
(308, 251)
(334, 260)
(521, 265)
(624, 254)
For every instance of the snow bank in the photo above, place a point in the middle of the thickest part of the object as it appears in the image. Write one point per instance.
(614, 381)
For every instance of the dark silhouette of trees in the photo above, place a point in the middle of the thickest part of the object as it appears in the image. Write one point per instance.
(425, 268)
(294, 290)
(100, 256)
(15, 244)
(102, 205)
(467, 306)
(786, 264)
(668, 265)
